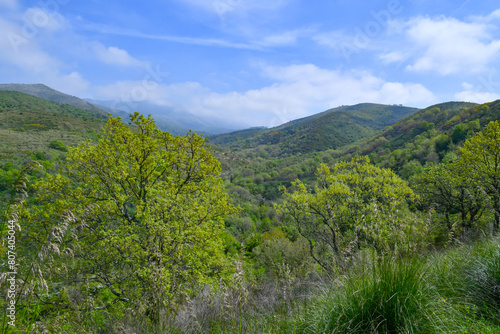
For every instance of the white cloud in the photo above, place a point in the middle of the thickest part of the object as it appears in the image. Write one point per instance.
(298, 91)
(21, 50)
(477, 96)
(116, 56)
(448, 46)
(72, 83)
(481, 93)
(284, 38)
(394, 57)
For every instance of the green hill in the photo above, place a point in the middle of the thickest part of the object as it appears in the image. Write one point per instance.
(49, 94)
(330, 129)
(428, 136)
(29, 124)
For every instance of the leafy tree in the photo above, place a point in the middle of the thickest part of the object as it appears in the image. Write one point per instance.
(453, 193)
(135, 219)
(481, 159)
(353, 203)
(459, 133)
(441, 143)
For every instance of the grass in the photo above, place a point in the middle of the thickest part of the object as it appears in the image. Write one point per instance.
(456, 291)
(391, 296)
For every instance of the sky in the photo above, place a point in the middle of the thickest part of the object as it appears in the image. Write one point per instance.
(255, 62)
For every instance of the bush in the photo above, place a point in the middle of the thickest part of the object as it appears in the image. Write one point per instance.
(58, 145)
(390, 297)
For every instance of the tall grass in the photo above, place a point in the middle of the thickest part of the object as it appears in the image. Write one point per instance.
(469, 278)
(390, 296)
(456, 291)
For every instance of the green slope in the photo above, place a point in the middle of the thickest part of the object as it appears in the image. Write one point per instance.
(49, 94)
(431, 135)
(331, 129)
(28, 123)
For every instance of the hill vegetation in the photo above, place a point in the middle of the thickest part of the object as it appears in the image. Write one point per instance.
(330, 129)
(29, 124)
(46, 93)
(361, 219)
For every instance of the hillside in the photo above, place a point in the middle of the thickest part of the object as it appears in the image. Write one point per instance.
(330, 129)
(43, 92)
(29, 124)
(428, 136)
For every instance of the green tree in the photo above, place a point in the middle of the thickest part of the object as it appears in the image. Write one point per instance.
(481, 159)
(453, 194)
(353, 203)
(459, 133)
(135, 219)
(441, 143)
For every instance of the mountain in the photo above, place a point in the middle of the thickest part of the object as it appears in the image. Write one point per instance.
(437, 119)
(173, 120)
(29, 124)
(49, 94)
(331, 129)
(431, 135)
(169, 124)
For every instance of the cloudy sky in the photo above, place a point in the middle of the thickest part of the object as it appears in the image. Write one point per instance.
(255, 62)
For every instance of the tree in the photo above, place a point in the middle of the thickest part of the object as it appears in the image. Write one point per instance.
(135, 219)
(480, 157)
(452, 192)
(459, 133)
(353, 203)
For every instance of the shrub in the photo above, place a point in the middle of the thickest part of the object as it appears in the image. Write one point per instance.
(390, 297)
(58, 145)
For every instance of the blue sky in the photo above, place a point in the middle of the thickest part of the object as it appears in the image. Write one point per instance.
(255, 62)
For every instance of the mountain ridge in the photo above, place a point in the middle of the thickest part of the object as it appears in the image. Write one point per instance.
(47, 93)
(329, 129)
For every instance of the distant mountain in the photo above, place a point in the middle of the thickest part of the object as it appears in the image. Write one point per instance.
(173, 120)
(169, 124)
(49, 94)
(331, 129)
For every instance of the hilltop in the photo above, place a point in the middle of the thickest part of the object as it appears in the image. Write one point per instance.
(331, 129)
(44, 92)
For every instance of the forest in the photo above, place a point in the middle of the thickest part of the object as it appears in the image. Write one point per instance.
(365, 219)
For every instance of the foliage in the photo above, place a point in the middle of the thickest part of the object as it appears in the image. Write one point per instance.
(135, 219)
(58, 145)
(455, 195)
(353, 204)
(481, 158)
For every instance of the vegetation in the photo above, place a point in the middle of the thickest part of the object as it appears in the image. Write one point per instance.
(135, 230)
(354, 204)
(333, 128)
(49, 94)
(142, 226)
